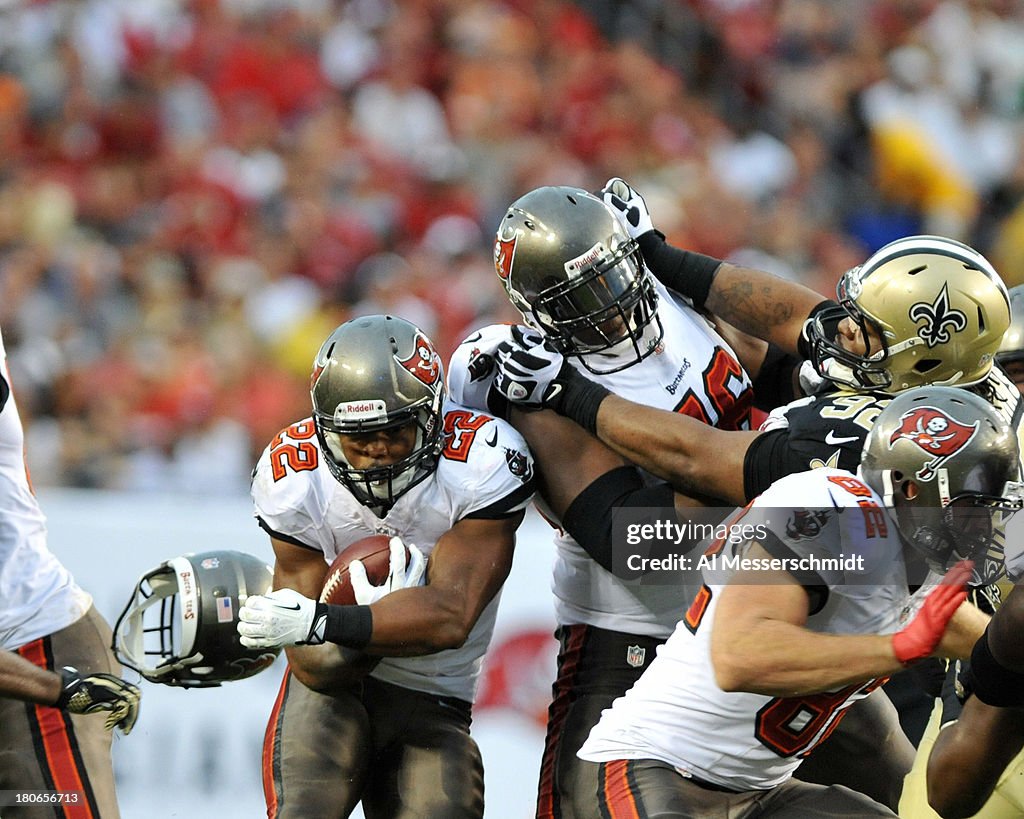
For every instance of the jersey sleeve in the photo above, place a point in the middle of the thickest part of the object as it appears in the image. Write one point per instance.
(831, 523)
(824, 431)
(471, 370)
(289, 504)
(492, 467)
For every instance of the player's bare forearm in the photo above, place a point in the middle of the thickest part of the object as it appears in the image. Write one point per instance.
(781, 660)
(550, 437)
(689, 454)
(965, 629)
(761, 304)
(419, 621)
(324, 668)
(970, 755)
(466, 569)
(22, 680)
(760, 643)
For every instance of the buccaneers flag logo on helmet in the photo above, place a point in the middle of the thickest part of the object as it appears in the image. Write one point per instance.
(424, 363)
(936, 433)
(504, 252)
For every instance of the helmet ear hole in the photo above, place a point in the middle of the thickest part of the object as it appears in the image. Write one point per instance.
(907, 488)
(927, 365)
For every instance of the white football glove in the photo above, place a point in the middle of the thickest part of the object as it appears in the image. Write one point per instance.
(629, 207)
(400, 575)
(529, 370)
(810, 379)
(281, 618)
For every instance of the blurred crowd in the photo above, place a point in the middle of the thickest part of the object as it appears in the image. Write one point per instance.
(193, 193)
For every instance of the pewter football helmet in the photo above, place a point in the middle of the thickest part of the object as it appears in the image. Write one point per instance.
(570, 268)
(376, 373)
(947, 467)
(940, 309)
(179, 627)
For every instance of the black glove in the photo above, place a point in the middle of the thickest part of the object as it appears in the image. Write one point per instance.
(99, 692)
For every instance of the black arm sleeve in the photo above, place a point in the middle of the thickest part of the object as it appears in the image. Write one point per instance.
(991, 681)
(773, 386)
(768, 458)
(590, 515)
(683, 271)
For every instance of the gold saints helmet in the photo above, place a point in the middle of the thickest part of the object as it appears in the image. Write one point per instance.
(939, 307)
(1011, 349)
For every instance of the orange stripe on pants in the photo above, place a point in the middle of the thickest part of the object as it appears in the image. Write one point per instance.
(548, 800)
(619, 798)
(271, 744)
(58, 751)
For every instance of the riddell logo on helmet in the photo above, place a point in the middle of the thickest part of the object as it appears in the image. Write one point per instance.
(935, 432)
(375, 410)
(575, 266)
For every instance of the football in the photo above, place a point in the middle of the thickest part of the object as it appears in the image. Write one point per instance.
(375, 552)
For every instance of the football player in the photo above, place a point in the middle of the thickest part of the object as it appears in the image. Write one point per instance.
(922, 309)
(376, 703)
(970, 757)
(994, 789)
(766, 661)
(50, 623)
(577, 276)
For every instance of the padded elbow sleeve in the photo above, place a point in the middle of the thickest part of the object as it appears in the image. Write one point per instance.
(991, 681)
(688, 273)
(590, 516)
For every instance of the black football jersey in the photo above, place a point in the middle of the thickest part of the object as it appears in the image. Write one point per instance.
(829, 430)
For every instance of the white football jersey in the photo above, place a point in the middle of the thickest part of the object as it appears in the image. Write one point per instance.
(38, 596)
(692, 371)
(485, 470)
(677, 713)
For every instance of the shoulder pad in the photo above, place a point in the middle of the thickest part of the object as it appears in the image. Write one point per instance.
(472, 368)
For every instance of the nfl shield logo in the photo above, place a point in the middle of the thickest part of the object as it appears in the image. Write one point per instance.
(635, 656)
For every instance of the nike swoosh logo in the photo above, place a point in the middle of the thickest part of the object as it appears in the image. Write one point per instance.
(832, 440)
(493, 440)
(292, 607)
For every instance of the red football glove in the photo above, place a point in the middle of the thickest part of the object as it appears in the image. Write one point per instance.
(922, 634)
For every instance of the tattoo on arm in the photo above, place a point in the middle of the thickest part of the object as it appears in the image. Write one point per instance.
(750, 307)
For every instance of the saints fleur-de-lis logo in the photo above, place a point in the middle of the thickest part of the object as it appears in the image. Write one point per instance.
(938, 318)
